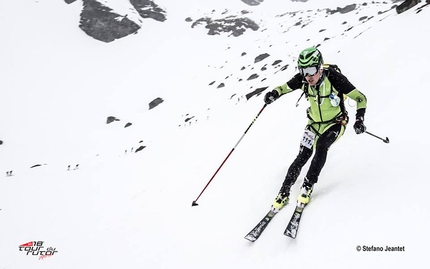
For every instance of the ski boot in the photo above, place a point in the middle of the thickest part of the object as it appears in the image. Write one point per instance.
(280, 201)
(305, 194)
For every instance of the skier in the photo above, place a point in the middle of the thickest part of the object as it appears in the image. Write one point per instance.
(325, 88)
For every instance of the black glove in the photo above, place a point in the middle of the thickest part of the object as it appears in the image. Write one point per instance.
(271, 96)
(359, 126)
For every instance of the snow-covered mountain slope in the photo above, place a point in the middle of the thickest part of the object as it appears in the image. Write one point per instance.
(125, 209)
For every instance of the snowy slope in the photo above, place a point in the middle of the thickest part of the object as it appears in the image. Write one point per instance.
(123, 209)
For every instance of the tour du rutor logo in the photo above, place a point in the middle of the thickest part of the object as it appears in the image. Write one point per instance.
(36, 248)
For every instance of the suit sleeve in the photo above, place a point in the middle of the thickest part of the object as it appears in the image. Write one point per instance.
(342, 85)
(293, 84)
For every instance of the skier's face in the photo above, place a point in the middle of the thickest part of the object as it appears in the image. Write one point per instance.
(313, 79)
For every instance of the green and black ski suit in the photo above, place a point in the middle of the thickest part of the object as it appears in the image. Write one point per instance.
(326, 123)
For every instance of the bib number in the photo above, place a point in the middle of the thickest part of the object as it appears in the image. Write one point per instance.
(308, 139)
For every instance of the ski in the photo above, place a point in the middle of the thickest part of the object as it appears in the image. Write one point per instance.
(293, 225)
(255, 233)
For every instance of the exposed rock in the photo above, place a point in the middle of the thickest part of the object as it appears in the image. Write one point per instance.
(231, 24)
(284, 67)
(155, 102)
(148, 9)
(261, 57)
(101, 23)
(128, 124)
(111, 119)
(222, 85)
(69, 1)
(255, 92)
(189, 118)
(277, 62)
(36, 165)
(253, 76)
(253, 2)
(343, 10)
(140, 148)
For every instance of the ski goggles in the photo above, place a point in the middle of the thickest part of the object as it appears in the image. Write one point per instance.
(309, 71)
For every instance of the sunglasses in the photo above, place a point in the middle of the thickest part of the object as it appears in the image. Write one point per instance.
(309, 71)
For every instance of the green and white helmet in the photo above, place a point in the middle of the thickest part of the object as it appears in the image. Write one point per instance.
(310, 57)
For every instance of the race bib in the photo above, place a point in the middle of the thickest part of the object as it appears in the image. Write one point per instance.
(308, 139)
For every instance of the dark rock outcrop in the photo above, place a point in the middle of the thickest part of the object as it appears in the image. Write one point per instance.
(139, 149)
(233, 25)
(255, 92)
(253, 76)
(343, 10)
(148, 9)
(261, 57)
(111, 119)
(36, 165)
(101, 23)
(155, 102)
(253, 2)
(221, 85)
(189, 118)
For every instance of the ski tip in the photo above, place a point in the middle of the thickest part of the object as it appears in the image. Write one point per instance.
(250, 238)
(194, 204)
(387, 140)
(290, 236)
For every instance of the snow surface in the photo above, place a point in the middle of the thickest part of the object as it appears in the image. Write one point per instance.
(133, 210)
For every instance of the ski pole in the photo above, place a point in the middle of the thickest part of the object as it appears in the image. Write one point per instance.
(195, 201)
(386, 140)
